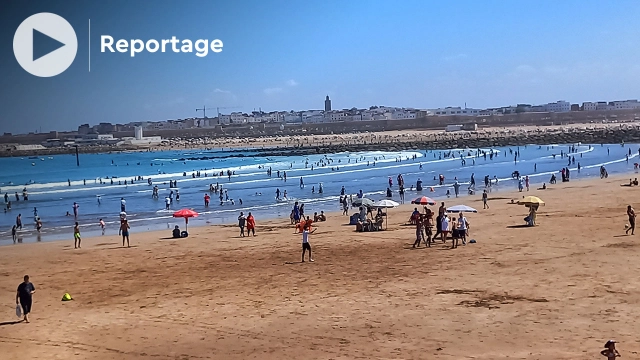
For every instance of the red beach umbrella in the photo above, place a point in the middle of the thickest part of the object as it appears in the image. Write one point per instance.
(423, 200)
(186, 214)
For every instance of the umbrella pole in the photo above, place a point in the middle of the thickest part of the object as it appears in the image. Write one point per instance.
(186, 224)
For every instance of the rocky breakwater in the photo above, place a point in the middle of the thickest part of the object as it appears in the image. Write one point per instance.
(480, 139)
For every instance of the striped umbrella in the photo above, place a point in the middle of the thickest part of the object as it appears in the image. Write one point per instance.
(423, 200)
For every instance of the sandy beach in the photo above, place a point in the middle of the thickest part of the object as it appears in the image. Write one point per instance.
(555, 291)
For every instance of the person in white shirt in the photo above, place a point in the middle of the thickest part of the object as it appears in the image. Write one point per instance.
(167, 202)
(305, 242)
(445, 227)
(463, 226)
(123, 205)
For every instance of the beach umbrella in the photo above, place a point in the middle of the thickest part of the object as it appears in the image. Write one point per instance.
(461, 209)
(423, 200)
(386, 204)
(186, 214)
(363, 202)
(530, 200)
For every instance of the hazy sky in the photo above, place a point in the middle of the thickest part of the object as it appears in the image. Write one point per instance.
(288, 55)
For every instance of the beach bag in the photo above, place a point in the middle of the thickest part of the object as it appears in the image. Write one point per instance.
(18, 311)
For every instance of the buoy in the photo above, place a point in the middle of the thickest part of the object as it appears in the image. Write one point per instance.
(66, 297)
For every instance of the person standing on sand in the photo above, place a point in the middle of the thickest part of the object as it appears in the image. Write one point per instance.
(305, 243)
(632, 220)
(76, 236)
(485, 199)
(24, 297)
(251, 225)
(241, 221)
(102, 226)
(419, 228)
(124, 230)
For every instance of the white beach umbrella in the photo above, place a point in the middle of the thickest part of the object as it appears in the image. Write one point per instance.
(461, 209)
(386, 203)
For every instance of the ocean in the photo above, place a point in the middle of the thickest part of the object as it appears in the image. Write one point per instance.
(54, 183)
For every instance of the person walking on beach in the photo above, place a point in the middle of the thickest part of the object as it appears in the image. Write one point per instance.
(75, 209)
(485, 198)
(24, 297)
(241, 221)
(632, 220)
(251, 224)
(305, 242)
(123, 205)
(76, 236)
(19, 221)
(14, 233)
(124, 231)
(419, 229)
(102, 226)
(526, 182)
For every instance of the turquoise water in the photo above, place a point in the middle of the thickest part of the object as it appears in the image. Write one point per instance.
(47, 182)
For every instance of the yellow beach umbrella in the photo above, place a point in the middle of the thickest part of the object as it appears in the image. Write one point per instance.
(530, 200)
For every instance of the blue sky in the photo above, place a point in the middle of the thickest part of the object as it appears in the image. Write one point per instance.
(288, 55)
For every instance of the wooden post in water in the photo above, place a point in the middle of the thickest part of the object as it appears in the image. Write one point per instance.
(77, 156)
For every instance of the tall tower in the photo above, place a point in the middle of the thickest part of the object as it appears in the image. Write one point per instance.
(327, 104)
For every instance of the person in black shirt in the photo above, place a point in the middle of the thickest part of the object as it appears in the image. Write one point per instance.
(24, 296)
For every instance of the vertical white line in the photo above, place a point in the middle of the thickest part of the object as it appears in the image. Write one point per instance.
(89, 45)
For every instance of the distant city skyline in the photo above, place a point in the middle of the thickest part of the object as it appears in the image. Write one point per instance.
(289, 56)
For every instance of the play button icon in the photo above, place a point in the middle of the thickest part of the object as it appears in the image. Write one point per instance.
(45, 44)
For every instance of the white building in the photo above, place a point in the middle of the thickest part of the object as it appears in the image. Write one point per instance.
(625, 104)
(293, 117)
(456, 111)
(558, 106)
(589, 106)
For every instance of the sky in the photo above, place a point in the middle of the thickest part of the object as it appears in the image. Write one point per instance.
(288, 55)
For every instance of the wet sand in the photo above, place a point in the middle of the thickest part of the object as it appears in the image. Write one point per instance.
(555, 291)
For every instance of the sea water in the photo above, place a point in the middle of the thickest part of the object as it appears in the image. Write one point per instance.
(54, 183)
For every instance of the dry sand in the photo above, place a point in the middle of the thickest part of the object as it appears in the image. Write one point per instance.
(556, 291)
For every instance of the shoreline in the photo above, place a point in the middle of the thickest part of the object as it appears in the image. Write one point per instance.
(283, 221)
(301, 144)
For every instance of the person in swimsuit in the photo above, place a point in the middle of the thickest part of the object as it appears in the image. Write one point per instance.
(610, 350)
(124, 230)
(632, 220)
(76, 236)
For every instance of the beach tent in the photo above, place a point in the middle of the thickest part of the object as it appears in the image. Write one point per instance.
(461, 209)
(186, 214)
(423, 200)
(386, 204)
